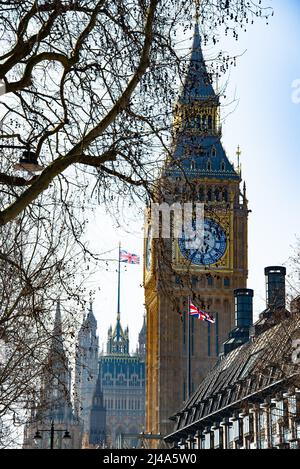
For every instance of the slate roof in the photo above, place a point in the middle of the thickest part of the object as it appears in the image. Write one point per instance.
(201, 157)
(197, 84)
(247, 373)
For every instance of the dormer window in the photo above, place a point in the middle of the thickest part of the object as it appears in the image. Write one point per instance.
(213, 151)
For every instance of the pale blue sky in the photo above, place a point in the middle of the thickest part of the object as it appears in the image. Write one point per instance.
(266, 125)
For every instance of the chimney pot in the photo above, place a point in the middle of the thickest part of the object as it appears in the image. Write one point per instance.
(275, 287)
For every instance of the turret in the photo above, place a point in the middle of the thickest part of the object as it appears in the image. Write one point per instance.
(56, 386)
(97, 431)
(142, 340)
(86, 368)
(118, 339)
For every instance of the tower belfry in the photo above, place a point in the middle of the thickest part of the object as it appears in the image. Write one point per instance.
(197, 171)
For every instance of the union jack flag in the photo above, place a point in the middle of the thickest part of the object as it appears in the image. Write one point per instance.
(129, 258)
(200, 314)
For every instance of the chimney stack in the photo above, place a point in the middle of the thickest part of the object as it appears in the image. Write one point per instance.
(275, 287)
(243, 300)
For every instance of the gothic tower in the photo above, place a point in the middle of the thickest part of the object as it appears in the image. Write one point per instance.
(56, 386)
(55, 404)
(86, 369)
(97, 433)
(199, 171)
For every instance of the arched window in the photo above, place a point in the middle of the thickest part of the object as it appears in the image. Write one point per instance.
(209, 195)
(208, 165)
(213, 151)
(223, 165)
(193, 165)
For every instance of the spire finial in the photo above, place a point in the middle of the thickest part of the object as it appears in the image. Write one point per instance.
(238, 154)
(197, 86)
(57, 339)
(244, 192)
(197, 10)
(57, 322)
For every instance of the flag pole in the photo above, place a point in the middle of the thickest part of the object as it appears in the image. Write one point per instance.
(119, 280)
(189, 377)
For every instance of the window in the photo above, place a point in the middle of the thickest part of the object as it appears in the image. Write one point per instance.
(213, 151)
(177, 280)
(207, 441)
(226, 282)
(236, 429)
(230, 436)
(208, 339)
(246, 425)
(217, 333)
(250, 363)
(208, 165)
(210, 281)
(193, 165)
(217, 438)
(194, 281)
(223, 166)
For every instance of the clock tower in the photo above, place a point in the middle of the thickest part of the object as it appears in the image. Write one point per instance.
(198, 172)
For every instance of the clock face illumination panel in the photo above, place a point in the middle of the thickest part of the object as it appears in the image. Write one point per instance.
(211, 249)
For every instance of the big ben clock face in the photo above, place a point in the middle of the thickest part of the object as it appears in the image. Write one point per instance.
(211, 249)
(148, 249)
